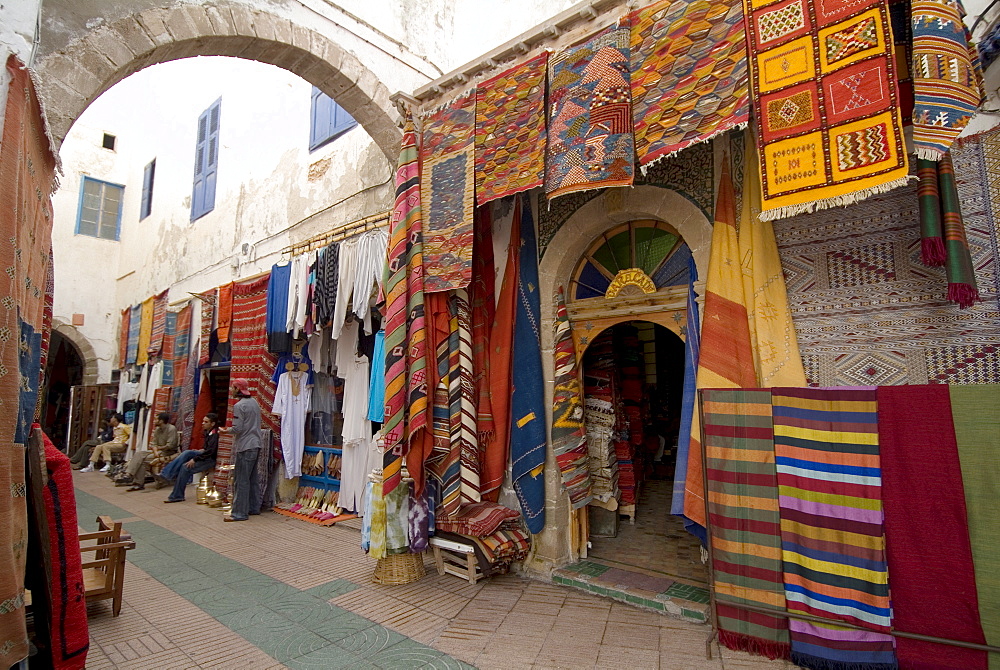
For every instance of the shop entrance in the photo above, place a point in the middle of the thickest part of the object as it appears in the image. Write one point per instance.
(633, 375)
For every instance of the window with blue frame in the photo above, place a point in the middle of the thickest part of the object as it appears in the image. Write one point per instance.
(327, 120)
(146, 206)
(206, 161)
(100, 211)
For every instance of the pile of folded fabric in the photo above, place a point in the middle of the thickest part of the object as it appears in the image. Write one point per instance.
(496, 533)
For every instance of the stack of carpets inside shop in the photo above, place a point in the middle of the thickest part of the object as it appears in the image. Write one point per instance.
(628, 355)
(599, 403)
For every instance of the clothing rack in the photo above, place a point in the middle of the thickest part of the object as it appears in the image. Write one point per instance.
(713, 603)
(351, 229)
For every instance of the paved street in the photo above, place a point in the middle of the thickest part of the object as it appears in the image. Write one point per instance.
(275, 592)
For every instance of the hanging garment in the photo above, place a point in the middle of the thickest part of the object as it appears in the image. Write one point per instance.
(291, 403)
(298, 290)
(345, 285)
(353, 369)
(368, 276)
(278, 339)
(376, 392)
(325, 292)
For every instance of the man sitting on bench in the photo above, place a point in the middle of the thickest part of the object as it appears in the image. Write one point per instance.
(162, 448)
(117, 445)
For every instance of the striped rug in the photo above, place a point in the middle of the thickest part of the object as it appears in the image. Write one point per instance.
(743, 510)
(830, 499)
(462, 397)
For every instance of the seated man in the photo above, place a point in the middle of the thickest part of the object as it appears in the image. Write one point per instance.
(117, 445)
(162, 448)
(82, 454)
(184, 467)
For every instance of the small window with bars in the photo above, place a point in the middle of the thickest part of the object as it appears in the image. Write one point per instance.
(100, 213)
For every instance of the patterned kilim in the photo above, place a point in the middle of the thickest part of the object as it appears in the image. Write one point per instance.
(135, 318)
(510, 131)
(447, 194)
(947, 80)
(482, 301)
(159, 323)
(958, 260)
(462, 397)
(823, 76)
(846, 268)
(932, 251)
(406, 415)
(830, 499)
(224, 311)
(726, 356)
(743, 508)
(27, 178)
(569, 435)
(207, 317)
(590, 116)
(184, 400)
(167, 353)
(689, 74)
(527, 405)
(123, 337)
(145, 330)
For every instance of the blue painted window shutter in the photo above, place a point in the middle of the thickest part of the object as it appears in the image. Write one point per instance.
(146, 207)
(100, 211)
(327, 121)
(206, 161)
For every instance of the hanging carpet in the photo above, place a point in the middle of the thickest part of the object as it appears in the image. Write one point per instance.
(689, 394)
(145, 330)
(123, 337)
(208, 299)
(159, 324)
(167, 350)
(135, 318)
(224, 313)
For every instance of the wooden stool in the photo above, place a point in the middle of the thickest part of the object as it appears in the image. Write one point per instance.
(455, 558)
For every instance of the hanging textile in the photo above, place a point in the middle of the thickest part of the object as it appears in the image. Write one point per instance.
(844, 145)
(406, 366)
(347, 269)
(69, 640)
(927, 529)
(462, 397)
(397, 515)
(527, 405)
(496, 452)
(207, 318)
(482, 296)
(725, 357)
(947, 78)
(182, 349)
(833, 548)
(776, 357)
(569, 435)
(590, 141)
(689, 396)
(689, 74)
(746, 529)
(510, 131)
(135, 318)
(278, 339)
(123, 337)
(976, 413)
(27, 178)
(376, 393)
(447, 194)
(932, 252)
(167, 353)
(368, 276)
(224, 312)
(145, 331)
(325, 291)
(376, 518)
(159, 324)
(443, 464)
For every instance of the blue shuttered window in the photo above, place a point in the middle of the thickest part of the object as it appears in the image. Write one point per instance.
(328, 120)
(206, 161)
(146, 207)
(100, 211)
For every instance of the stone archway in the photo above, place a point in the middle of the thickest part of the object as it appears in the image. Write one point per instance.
(615, 206)
(74, 77)
(83, 347)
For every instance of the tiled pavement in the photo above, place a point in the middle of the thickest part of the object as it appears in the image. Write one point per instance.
(275, 592)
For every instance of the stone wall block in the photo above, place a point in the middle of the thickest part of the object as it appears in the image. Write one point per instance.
(133, 37)
(181, 26)
(263, 25)
(199, 17)
(221, 20)
(301, 36)
(272, 52)
(154, 22)
(282, 30)
(327, 50)
(109, 43)
(242, 20)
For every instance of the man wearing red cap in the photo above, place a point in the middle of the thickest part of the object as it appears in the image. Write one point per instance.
(246, 449)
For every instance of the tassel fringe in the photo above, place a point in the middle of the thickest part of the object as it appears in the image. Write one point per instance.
(754, 645)
(644, 167)
(817, 663)
(929, 153)
(965, 295)
(932, 253)
(836, 201)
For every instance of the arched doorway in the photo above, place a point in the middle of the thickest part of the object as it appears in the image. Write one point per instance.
(73, 77)
(63, 370)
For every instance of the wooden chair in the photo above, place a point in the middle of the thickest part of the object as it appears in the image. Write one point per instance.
(104, 577)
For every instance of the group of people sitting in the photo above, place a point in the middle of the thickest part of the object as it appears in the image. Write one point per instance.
(178, 469)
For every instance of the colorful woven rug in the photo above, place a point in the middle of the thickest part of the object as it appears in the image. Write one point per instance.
(743, 507)
(947, 79)
(569, 435)
(689, 74)
(927, 529)
(482, 301)
(975, 410)
(406, 414)
(224, 311)
(447, 194)
(208, 299)
(846, 144)
(159, 323)
(527, 420)
(590, 116)
(145, 330)
(510, 131)
(123, 337)
(829, 495)
(689, 394)
(169, 340)
(726, 356)
(135, 318)
(462, 397)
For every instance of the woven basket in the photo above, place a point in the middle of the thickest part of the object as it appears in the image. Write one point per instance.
(397, 569)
